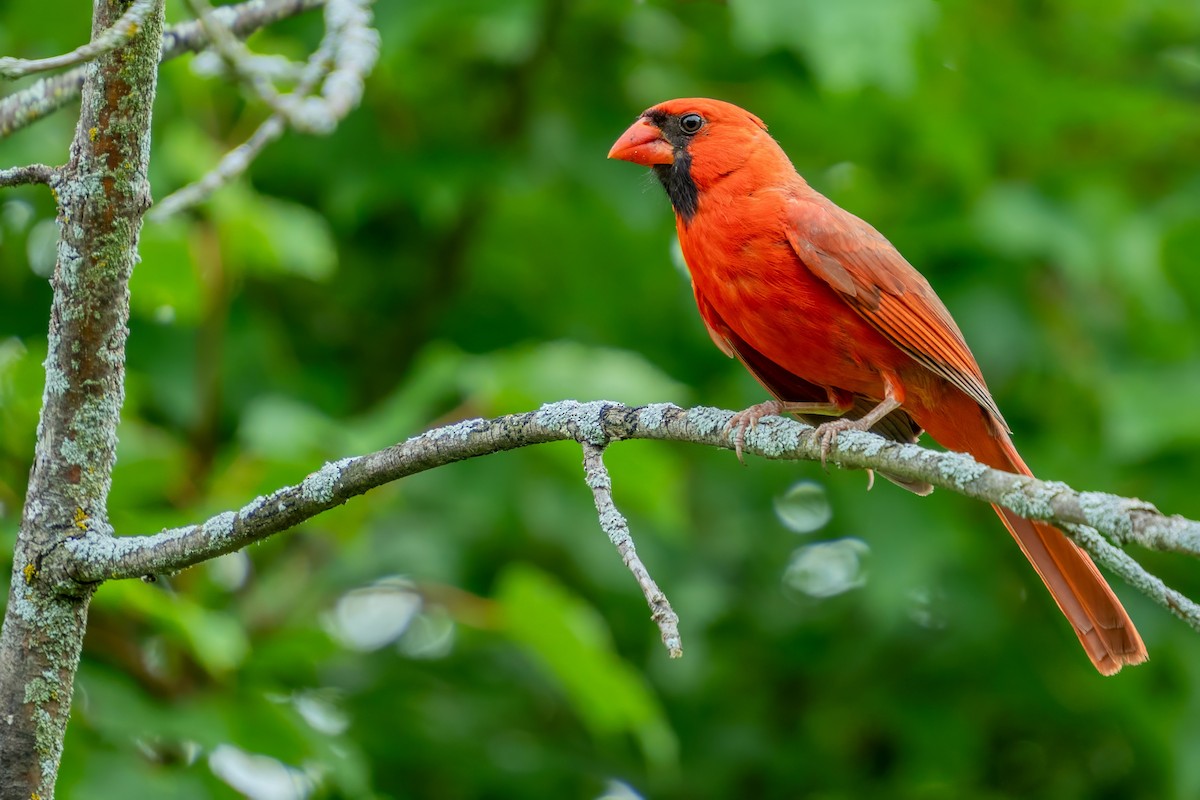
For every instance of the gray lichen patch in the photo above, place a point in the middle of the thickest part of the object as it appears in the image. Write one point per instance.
(775, 438)
(589, 420)
(253, 507)
(42, 689)
(319, 487)
(960, 469)
(220, 527)
(555, 416)
(54, 633)
(584, 420)
(654, 416)
(458, 432)
(1107, 513)
(91, 443)
(56, 382)
(708, 421)
(861, 442)
(1032, 499)
(67, 273)
(613, 523)
(112, 352)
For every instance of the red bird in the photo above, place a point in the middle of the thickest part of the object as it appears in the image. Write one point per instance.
(831, 319)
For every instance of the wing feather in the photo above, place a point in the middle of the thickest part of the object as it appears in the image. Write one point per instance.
(877, 282)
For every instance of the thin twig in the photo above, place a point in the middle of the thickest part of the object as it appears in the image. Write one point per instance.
(49, 94)
(355, 53)
(354, 47)
(234, 53)
(116, 35)
(346, 54)
(231, 165)
(1134, 573)
(30, 173)
(242, 19)
(614, 524)
(238, 160)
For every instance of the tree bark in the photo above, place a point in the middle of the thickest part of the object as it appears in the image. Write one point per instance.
(102, 195)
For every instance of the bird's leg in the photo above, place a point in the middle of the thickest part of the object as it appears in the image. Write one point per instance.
(748, 419)
(828, 432)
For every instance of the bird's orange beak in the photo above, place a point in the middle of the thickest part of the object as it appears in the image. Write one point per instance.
(643, 144)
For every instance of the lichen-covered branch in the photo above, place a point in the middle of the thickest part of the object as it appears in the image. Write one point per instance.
(93, 558)
(238, 160)
(352, 46)
(102, 194)
(25, 107)
(233, 163)
(235, 54)
(1123, 564)
(613, 522)
(118, 34)
(30, 173)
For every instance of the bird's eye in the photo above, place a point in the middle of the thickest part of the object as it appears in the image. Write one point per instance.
(690, 123)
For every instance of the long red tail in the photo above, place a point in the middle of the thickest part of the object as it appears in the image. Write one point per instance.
(1104, 629)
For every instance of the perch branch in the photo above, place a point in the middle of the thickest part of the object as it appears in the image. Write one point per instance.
(25, 107)
(97, 557)
(614, 524)
(113, 37)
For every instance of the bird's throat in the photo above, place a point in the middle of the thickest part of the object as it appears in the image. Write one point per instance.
(676, 178)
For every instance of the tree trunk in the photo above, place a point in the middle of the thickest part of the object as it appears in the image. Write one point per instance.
(102, 194)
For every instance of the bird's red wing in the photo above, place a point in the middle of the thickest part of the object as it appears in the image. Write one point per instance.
(877, 282)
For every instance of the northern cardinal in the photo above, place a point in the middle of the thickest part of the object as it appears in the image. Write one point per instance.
(832, 321)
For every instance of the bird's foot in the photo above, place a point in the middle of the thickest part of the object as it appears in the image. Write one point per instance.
(827, 434)
(742, 421)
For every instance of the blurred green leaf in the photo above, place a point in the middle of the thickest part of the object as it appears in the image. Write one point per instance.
(266, 235)
(216, 640)
(530, 375)
(849, 45)
(166, 287)
(569, 639)
(1132, 427)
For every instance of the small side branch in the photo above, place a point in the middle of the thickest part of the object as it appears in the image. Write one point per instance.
(113, 37)
(347, 53)
(614, 524)
(235, 54)
(29, 105)
(237, 160)
(30, 173)
(1134, 573)
(243, 19)
(227, 170)
(352, 46)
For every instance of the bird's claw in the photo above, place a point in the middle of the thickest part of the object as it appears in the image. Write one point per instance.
(827, 434)
(748, 419)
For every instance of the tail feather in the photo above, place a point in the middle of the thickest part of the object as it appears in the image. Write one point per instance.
(1089, 604)
(1104, 629)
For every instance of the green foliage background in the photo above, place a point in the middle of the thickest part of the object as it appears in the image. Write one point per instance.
(461, 247)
